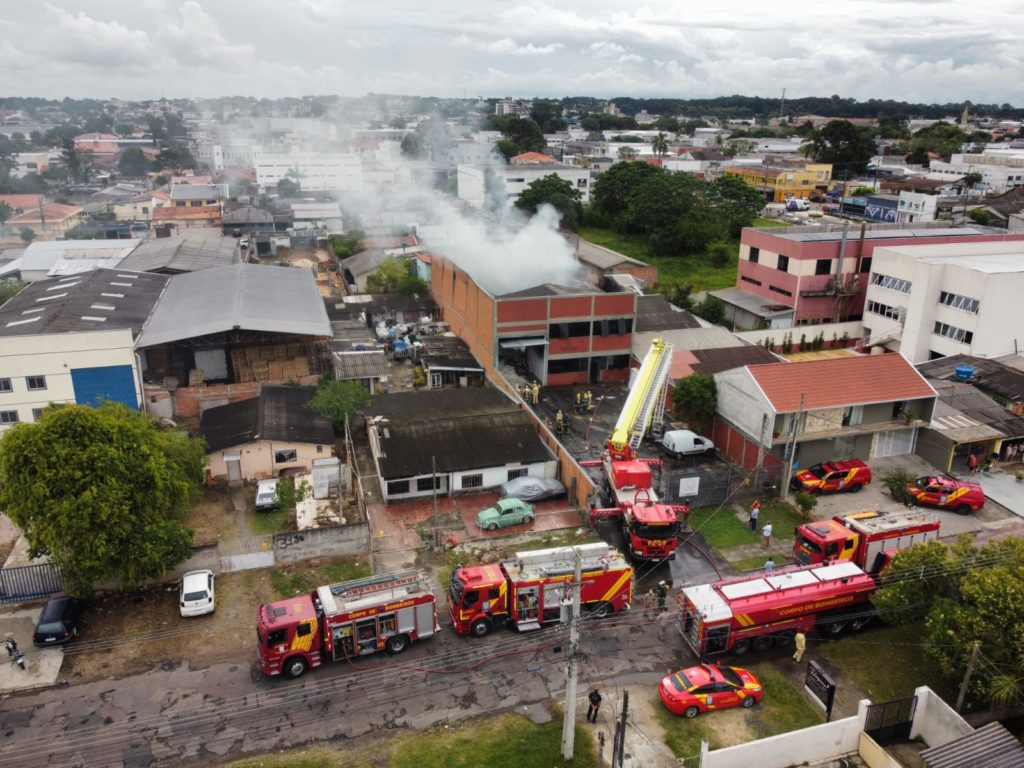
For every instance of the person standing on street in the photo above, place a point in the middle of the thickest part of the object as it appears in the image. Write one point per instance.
(972, 463)
(766, 533)
(769, 565)
(595, 704)
(662, 594)
(801, 646)
(755, 511)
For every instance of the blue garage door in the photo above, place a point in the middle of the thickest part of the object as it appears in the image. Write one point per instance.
(111, 382)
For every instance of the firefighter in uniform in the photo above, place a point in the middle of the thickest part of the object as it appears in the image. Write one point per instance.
(559, 422)
(535, 391)
(579, 403)
(662, 594)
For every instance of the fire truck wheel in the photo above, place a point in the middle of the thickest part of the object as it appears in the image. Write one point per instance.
(783, 641)
(963, 509)
(834, 627)
(691, 712)
(740, 647)
(855, 488)
(762, 643)
(294, 667)
(601, 610)
(858, 624)
(397, 643)
(480, 627)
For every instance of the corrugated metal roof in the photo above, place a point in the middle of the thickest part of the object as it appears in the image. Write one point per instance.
(41, 256)
(989, 375)
(655, 313)
(279, 413)
(991, 746)
(190, 253)
(250, 297)
(964, 407)
(368, 364)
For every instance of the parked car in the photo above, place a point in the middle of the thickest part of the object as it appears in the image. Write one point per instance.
(832, 476)
(505, 512)
(706, 687)
(529, 488)
(58, 621)
(683, 442)
(796, 204)
(961, 496)
(197, 596)
(266, 495)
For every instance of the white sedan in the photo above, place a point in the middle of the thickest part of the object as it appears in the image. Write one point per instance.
(196, 593)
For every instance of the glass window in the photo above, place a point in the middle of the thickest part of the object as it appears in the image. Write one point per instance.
(276, 637)
(781, 291)
(952, 332)
(892, 283)
(472, 481)
(823, 267)
(514, 473)
(396, 487)
(36, 382)
(783, 264)
(959, 302)
(865, 264)
(8, 417)
(303, 629)
(5, 385)
(285, 456)
(755, 254)
(746, 279)
(567, 365)
(37, 414)
(428, 483)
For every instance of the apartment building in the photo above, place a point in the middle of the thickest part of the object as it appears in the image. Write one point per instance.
(928, 302)
(475, 186)
(315, 171)
(778, 183)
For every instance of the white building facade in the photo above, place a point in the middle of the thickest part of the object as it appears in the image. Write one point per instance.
(931, 301)
(516, 178)
(315, 171)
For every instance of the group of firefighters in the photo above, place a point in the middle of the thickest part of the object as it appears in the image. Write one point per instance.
(584, 403)
(530, 393)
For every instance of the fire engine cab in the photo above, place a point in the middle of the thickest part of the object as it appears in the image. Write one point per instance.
(756, 612)
(343, 621)
(532, 588)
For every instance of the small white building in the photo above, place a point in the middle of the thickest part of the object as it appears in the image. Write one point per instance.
(473, 182)
(315, 171)
(931, 301)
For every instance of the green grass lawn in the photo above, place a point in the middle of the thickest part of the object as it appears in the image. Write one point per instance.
(906, 666)
(511, 741)
(760, 221)
(683, 736)
(691, 270)
(303, 578)
(723, 529)
(268, 522)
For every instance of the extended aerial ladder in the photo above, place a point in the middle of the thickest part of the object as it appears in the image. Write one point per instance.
(645, 403)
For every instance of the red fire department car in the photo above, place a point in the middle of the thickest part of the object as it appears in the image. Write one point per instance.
(945, 492)
(530, 589)
(832, 476)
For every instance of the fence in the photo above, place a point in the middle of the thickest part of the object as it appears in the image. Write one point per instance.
(29, 582)
(708, 485)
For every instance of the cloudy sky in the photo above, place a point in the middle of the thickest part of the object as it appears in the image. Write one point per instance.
(916, 50)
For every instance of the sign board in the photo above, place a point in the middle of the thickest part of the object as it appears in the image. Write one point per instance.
(821, 687)
(689, 487)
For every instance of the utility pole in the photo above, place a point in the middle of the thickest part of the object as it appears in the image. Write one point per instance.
(569, 723)
(967, 675)
(619, 745)
(791, 449)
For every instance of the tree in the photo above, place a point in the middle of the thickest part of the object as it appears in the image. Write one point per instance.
(394, 276)
(27, 234)
(711, 309)
(842, 144)
(694, 399)
(412, 146)
(174, 158)
(124, 129)
(288, 188)
(615, 186)
(339, 399)
(980, 216)
(548, 115)
(133, 163)
(5, 212)
(626, 153)
(659, 144)
(719, 252)
(520, 136)
(667, 123)
(557, 192)
(103, 491)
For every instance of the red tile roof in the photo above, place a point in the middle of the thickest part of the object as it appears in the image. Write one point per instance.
(21, 202)
(533, 158)
(389, 242)
(839, 382)
(180, 213)
(98, 147)
(54, 212)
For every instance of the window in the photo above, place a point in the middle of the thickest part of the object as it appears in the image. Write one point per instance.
(877, 308)
(276, 637)
(397, 487)
(892, 283)
(783, 264)
(782, 291)
(823, 267)
(613, 327)
(8, 417)
(473, 481)
(303, 629)
(5, 385)
(514, 473)
(37, 414)
(568, 365)
(865, 264)
(755, 254)
(285, 456)
(746, 279)
(428, 484)
(35, 382)
(957, 301)
(568, 330)
(952, 332)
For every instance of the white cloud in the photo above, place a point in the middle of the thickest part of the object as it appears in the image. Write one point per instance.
(197, 39)
(83, 39)
(505, 47)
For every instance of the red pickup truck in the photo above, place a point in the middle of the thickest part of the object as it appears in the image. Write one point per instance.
(961, 496)
(832, 476)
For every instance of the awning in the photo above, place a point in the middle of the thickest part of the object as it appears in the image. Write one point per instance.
(521, 343)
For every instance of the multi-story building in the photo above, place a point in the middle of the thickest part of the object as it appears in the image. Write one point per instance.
(802, 276)
(315, 171)
(778, 183)
(933, 301)
(475, 187)
(1000, 171)
(519, 107)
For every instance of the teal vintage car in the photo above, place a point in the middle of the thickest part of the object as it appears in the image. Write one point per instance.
(505, 512)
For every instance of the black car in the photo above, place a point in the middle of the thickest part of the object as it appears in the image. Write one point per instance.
(58, 623)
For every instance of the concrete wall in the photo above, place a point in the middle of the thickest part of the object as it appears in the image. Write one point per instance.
(853, 330)
(453, 482)
(875, 756)
(55, 356)
(257, 458)
(935, 721)
(805, 746)
(742, 404)
(467, 309)
(935, 448)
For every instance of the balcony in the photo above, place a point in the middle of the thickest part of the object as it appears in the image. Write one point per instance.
(850, 431)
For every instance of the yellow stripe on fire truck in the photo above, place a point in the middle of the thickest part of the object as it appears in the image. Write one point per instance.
(744, 620)
(626, 576)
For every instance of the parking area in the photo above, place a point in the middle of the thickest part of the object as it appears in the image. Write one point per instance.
(42, 665)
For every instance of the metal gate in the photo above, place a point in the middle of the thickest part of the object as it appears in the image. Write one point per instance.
(29, 582)
(890, 721)
(243, 554)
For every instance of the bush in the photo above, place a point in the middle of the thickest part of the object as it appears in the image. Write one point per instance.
(806, 502)
(896, 481)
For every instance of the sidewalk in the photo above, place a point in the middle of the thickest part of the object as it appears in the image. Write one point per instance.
(42, 666)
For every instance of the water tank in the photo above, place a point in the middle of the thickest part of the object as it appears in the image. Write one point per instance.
(964, 372)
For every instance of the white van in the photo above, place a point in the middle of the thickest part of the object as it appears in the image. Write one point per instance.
(683, 442)
(266, 495)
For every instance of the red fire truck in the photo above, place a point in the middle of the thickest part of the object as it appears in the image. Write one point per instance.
(340, 621)
(870, 538)
(530, 589)
(756, 612)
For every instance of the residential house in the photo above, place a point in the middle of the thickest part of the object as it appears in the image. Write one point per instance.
(863, 407)
(447, 362)
(800, 276)
(50, 222)
(356, 270)
(196, 195)
(368, 367)
(257, 438)
(933, 301)
(778, 183)
(168, 217)
(452, 440)
(22, 203)
(140, 207)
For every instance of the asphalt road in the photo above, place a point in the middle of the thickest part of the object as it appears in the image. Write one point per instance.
(175, 715)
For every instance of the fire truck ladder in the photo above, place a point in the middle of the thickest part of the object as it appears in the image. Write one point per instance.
(360, 587)
(645, 404)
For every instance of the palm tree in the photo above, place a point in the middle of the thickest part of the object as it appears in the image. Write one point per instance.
(660, 144)
(813, 146)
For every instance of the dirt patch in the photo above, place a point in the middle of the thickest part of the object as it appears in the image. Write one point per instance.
(213, 517)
